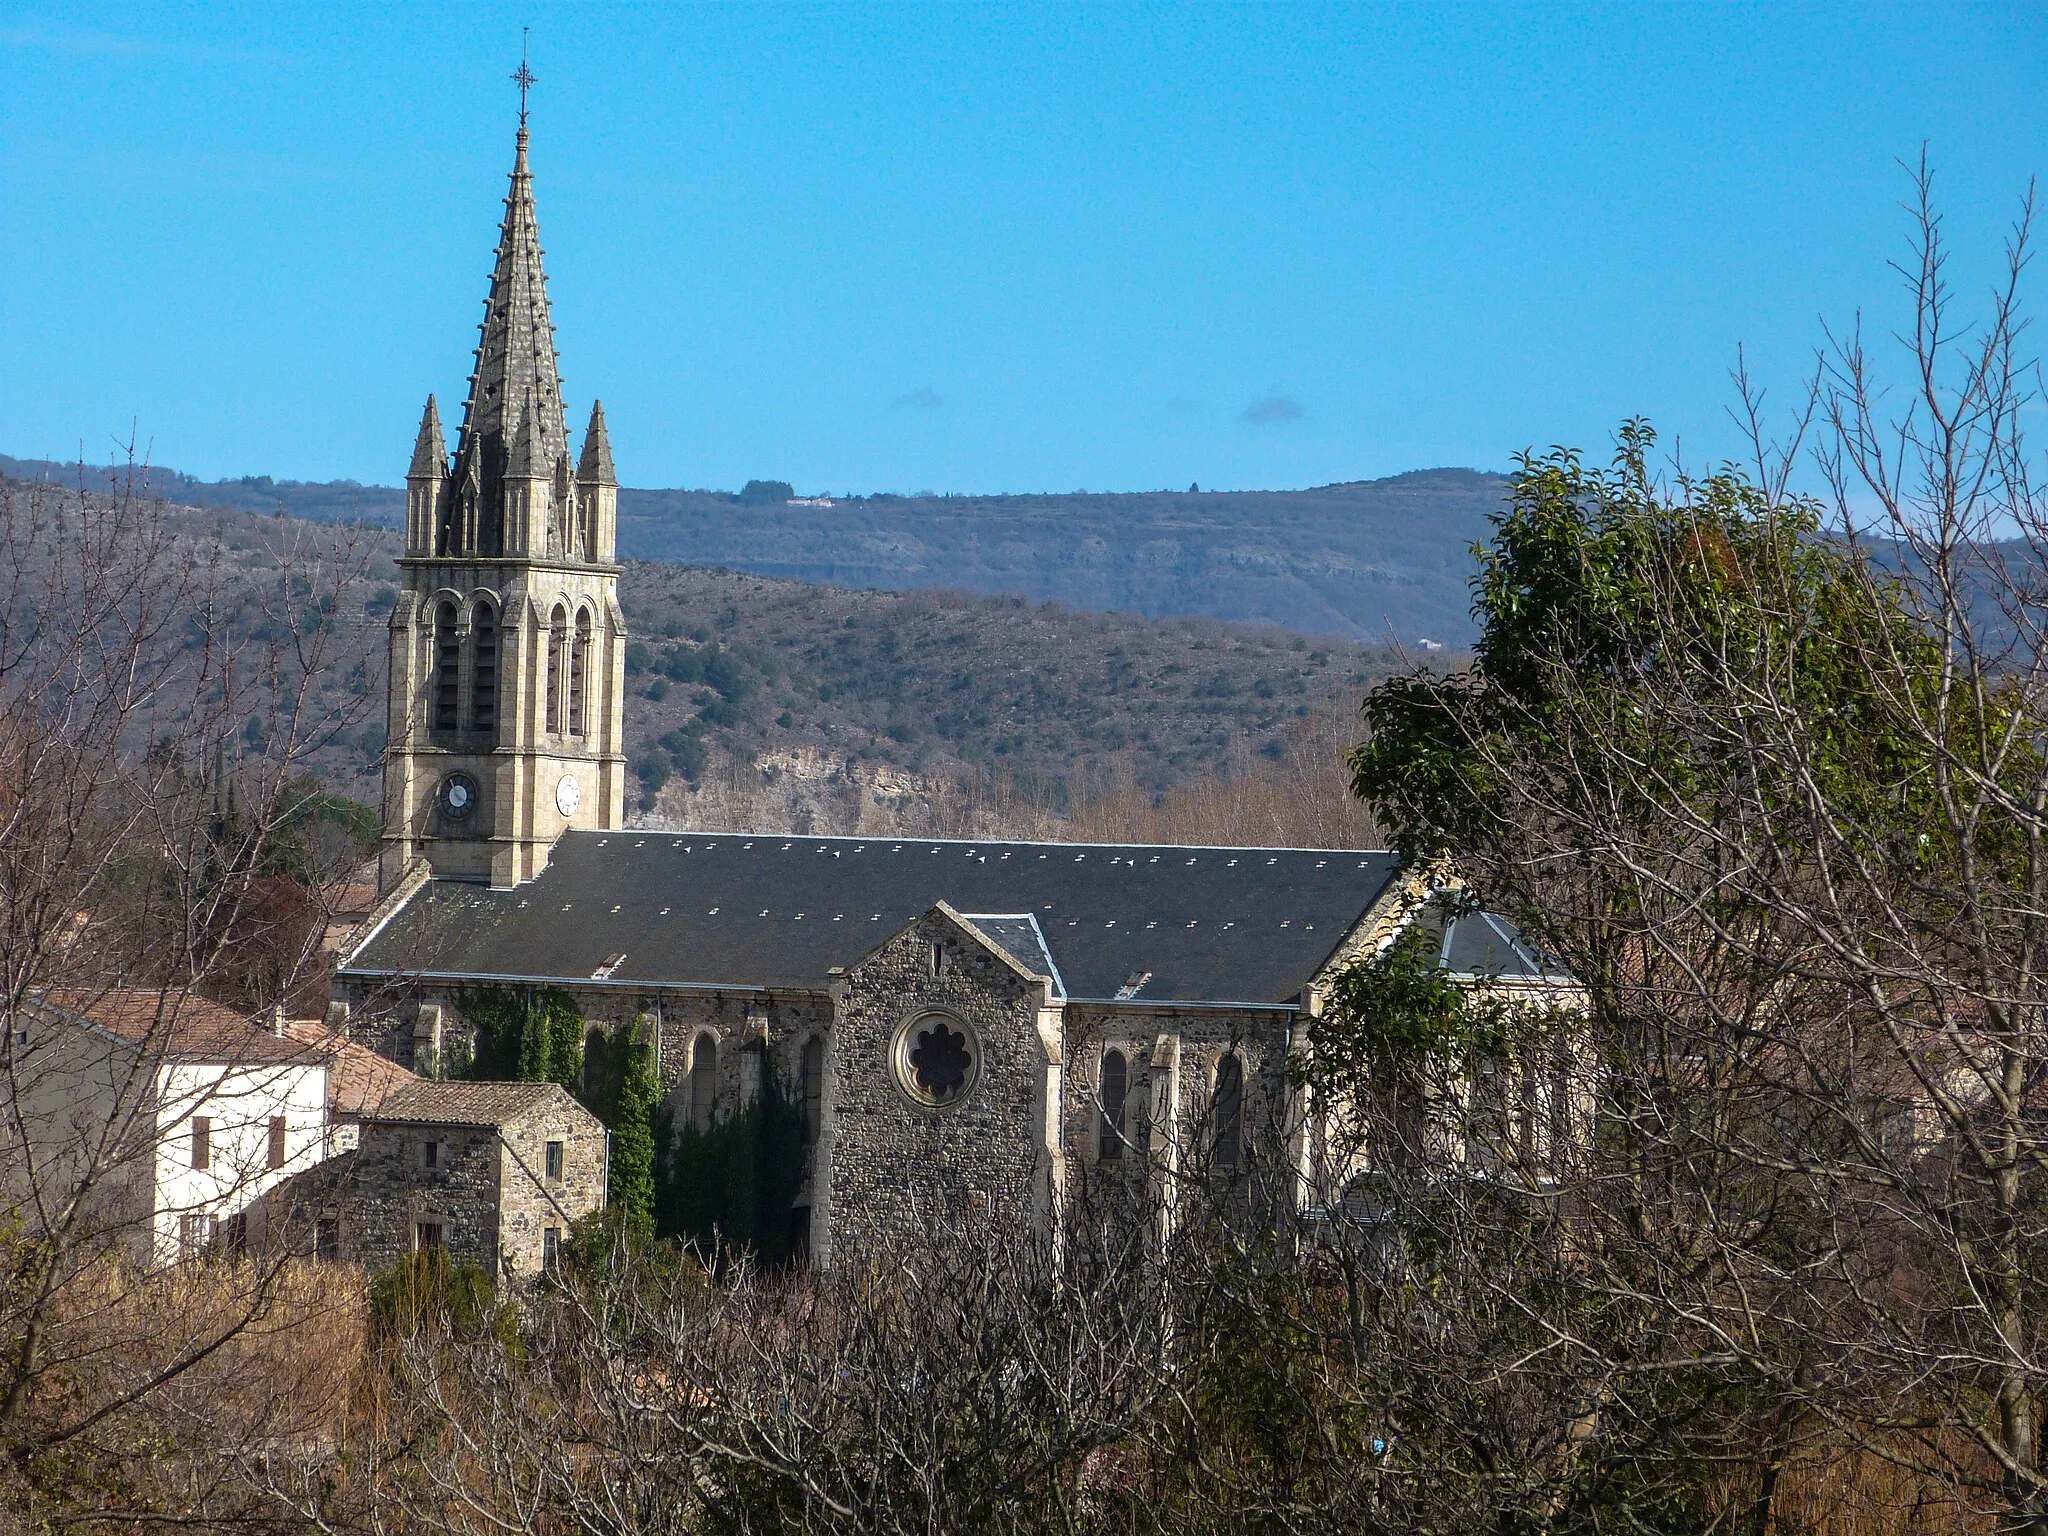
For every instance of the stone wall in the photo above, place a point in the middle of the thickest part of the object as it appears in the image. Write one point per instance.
(392, 1189)
(1170, 1121)
(897, 1166)
(390, 1024)
(529, 1201)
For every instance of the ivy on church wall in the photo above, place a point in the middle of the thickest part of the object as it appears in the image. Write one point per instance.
(522, 1035)
(732, 1188)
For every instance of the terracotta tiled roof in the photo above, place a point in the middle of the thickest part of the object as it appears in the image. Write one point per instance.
(358, 1079)
(177, 1024)
(430, 1103)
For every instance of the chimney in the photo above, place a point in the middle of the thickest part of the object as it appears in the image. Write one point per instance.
(273, 1019)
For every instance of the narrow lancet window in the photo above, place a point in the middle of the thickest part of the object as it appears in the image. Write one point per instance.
(1227, 1110)
(703, 1082)
(483, 629)
(447, 668)
(1113, 1088)
(813, 1089)
(579, 669)
(557, 633)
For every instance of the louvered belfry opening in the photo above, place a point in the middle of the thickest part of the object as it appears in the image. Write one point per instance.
(579, 670)
(483, 628)
(447, 668)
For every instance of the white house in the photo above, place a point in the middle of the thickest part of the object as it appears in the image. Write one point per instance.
(153, 1122)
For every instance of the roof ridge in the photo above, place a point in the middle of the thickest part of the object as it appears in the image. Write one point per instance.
(972, 842)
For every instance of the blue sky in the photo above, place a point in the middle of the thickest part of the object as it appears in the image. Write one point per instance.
(993, 248)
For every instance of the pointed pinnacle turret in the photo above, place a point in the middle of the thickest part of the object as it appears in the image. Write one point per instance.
(516, 361)
(596, 464)
(430, 452)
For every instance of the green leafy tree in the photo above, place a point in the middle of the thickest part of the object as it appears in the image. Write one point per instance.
(730, 1188)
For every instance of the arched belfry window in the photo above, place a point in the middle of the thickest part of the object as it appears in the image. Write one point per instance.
(447, 667)
(1113, 1088)
(483, 632)
(1226, 1110)
(703, 1082)
(579, 671)
(556, 637)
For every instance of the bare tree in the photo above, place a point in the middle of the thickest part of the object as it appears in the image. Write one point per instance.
(158, 851)
(1769, 778)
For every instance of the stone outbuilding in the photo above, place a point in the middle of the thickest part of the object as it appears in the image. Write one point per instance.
(495, 1173)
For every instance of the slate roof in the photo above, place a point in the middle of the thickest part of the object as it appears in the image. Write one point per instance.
(424, 1102)
(1476, 943)
(1204, 925)
(1019, 936)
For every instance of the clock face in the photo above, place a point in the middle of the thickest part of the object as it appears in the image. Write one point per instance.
(458, 796)
(568, 794)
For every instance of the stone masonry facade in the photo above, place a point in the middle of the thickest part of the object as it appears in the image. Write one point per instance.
(1028, 1130)
(463, 1166)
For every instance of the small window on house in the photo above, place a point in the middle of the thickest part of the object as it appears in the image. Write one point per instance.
(1113, 1088)
(554, 1160)
(938, 959)
(1227, 1109)
(193, 1231)
(813, 1088)
(433, 1154)
(428, 1234)
(551, 1249)
(202, 1141)
(703, 1082)
(327, 1239)
(277, 1141)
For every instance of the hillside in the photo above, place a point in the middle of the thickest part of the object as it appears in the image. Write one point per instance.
(1367, 561)
(752, 697)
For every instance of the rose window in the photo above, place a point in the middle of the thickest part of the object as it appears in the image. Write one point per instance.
(936, 1058)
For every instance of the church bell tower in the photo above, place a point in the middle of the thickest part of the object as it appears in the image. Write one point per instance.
(507, 644)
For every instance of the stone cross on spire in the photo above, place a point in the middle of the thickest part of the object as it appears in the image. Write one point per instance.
(525, 78)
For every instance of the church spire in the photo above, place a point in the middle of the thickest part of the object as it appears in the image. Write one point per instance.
(515, 376)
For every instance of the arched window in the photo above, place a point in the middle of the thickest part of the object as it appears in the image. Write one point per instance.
(579, 666)
(813, 1086)
(1226, 1107)
(703, 1082)
(558, 628)
(483, 686)
(447, 667)
(1112, 1088)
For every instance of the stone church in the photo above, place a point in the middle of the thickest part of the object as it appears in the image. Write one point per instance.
(963, 1022)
